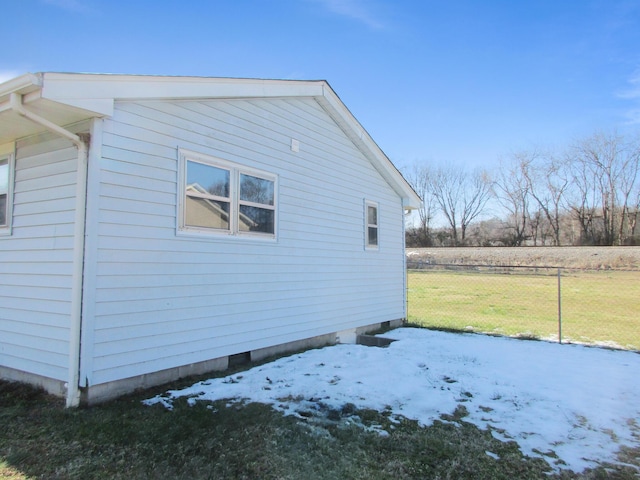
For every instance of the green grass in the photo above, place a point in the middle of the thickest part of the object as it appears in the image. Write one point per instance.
(596, 306)
(124, 439)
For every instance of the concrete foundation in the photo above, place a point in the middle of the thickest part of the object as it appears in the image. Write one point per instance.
(49, 385)
(306, 344)
(110, 390)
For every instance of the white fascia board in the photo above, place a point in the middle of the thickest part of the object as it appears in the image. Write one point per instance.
(21, 85)
(350, 125)
(28, 84)
(31, 87)
(90, 89)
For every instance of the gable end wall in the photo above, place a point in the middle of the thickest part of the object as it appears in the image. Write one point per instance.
(162, 300)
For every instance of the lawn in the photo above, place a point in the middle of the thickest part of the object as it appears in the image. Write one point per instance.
(222, 439)
(597, 307)
(127, 440)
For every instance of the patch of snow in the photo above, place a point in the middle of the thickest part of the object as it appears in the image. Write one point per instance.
(579, 403)
(495, 456)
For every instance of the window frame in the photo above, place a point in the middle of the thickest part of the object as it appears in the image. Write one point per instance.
(235, 174)
(367, 225)
(5, 229)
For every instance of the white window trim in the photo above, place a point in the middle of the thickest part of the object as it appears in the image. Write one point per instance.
(235, 170)
(367, 245)
(5, 230)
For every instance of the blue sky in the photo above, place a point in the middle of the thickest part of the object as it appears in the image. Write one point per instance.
(447, 81)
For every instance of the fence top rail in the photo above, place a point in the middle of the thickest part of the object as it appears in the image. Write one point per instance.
(431, 264)
(419, 265)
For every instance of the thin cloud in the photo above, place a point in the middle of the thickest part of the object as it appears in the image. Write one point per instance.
(633, 117)
(355, 9)
(632, 93)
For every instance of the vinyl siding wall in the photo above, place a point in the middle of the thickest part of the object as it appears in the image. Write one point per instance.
(36, 260)
(164, 299)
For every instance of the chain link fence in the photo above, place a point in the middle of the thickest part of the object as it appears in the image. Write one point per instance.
(558, 304)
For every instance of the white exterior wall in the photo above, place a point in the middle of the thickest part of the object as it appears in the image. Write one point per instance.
(160, 300)
(36, 260)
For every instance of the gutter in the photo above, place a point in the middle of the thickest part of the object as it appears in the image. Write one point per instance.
(81, 143)
(25, 83)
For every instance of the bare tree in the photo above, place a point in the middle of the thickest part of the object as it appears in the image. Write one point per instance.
(535, 227)
(461, 197)
(582, 198)
(606, 170)
(629, 188)
(511, 189)
(475, 198)
(419, 178)
(634, 212)
(547, 182)
(589, 194)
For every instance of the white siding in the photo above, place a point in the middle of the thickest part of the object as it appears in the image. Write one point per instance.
(36, 260)
(164, 300)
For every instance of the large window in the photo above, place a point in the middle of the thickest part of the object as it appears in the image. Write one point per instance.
(5, 193)
(223, 197)
(371, 225)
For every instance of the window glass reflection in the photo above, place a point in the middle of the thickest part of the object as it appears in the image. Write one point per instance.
(373, 236)
(254, 219)
(4, 176)
(256, 190)
(373, 215)
(203, 212)
(208, 179)
(3, 209)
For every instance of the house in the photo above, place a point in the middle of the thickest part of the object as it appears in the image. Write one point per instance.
(155, 227)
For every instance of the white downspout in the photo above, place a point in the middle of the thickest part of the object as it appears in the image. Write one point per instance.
(405, 279)
(73, 391)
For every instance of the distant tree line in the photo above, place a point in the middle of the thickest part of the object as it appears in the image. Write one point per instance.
(586, 194)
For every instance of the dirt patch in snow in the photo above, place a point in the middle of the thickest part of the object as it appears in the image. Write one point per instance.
(600, 258)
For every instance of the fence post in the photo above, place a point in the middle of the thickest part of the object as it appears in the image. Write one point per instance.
(559, 305)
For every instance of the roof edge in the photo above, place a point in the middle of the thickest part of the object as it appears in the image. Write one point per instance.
(358, 134)
(81, 86)
(23, 84)
(95, 94)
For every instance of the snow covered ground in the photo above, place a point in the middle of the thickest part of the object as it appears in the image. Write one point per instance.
(581, 403)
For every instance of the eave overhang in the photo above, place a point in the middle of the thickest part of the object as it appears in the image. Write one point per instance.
(30, 89)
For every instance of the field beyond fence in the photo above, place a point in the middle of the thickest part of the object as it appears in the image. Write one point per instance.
(555, 303)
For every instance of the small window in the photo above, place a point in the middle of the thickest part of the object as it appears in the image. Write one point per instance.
(371, 231)
(5, 194)
(223, 197)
